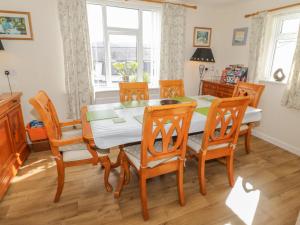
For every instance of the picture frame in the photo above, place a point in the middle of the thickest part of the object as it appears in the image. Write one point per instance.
(240, 36)
(15, 25)
(202, 37)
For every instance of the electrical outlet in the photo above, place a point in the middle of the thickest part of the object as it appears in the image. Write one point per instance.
(9, 72)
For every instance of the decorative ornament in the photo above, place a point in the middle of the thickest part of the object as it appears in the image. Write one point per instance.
(279, 75)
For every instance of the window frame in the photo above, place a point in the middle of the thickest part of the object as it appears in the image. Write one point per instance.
(107, 31)
(277, 21)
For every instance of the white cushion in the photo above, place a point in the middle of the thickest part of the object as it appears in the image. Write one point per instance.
(69, 156)
(134, 155)
(244, 127)
(71, 133)
(195, 143)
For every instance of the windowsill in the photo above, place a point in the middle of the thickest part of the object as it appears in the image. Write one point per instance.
(273, 82)
(112, 89)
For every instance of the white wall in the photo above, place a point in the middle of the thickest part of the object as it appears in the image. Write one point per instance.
(280, 125)
(38, 64)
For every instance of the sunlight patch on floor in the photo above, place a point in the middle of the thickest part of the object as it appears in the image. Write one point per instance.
(30, 173)
(243, 200)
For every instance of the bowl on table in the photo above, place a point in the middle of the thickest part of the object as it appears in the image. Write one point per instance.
(169, 102)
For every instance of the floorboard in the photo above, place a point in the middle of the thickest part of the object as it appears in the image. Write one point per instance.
(267, 191)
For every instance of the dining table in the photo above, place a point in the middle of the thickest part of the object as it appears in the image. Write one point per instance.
(105, 126)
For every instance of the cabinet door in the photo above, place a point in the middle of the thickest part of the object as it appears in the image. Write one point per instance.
(17, 129)
(6, 147)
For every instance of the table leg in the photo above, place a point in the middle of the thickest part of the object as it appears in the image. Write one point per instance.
(118, 162)
(105, 162)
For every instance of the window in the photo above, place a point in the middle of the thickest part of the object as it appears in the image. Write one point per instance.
(125, 43)
(284, 37)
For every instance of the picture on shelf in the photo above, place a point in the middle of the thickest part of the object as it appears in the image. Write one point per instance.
(234, 73)
(202, 37)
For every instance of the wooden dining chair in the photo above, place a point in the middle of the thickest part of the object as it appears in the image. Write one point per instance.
(171, 88)
(68, 152)
(220, 135)
(155, 157)
(133, 91)
(254, 91)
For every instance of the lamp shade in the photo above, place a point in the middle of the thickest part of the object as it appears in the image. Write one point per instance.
(203, 55)
(1, 45)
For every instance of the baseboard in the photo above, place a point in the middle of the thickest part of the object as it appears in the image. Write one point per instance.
(277, 142)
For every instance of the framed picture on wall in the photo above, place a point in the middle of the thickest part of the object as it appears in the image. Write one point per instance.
(15, 25)
(240, 36)
(202, 37)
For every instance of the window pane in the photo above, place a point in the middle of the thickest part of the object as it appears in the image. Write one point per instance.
(283, 57)
(147, 46)
(123, 51)
(290, 26)
(151, 39)
(123, 18)
(97, 43)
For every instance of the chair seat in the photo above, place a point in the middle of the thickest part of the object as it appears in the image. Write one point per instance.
(195, 143)
(244, 127)
(133, 153)
(75, 155)
(71, 133)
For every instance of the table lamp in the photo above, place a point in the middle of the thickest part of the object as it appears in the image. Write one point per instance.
(203, 55)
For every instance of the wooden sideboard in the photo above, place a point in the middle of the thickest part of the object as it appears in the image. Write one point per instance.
(218, 89)
(13, 144)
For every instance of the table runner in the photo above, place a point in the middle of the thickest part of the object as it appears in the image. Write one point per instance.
(108, 134)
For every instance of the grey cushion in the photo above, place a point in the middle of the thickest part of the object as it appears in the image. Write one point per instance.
(195, 142)
(134, 155)
(244, 127)
(71, 155)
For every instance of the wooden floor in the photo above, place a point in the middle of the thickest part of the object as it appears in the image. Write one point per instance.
(267, 191)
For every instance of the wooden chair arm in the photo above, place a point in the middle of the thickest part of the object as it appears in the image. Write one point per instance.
(63, 142)
(70, 123)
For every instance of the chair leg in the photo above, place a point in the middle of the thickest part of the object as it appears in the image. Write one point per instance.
(143, 195)
(105, 161)
(180, 184)
(201, 173)
(229, 166)
(121, 182)
(60, 179)
(248, 141)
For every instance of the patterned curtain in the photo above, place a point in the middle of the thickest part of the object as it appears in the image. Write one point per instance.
(172, 42)
(291, 97)
(77, 55)
(256, 46)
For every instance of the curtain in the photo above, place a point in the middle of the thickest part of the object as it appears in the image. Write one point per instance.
(77, 55)
(257, 47)
(172, 42)
(291, 97)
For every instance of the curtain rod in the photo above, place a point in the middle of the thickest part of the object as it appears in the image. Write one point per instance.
(173, 3)
(272, 10)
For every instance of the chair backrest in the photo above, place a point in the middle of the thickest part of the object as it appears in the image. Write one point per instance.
(171, 88)
(164, 122)
(223, 122)
(254, 91)
(46, 110)
(133, 91)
